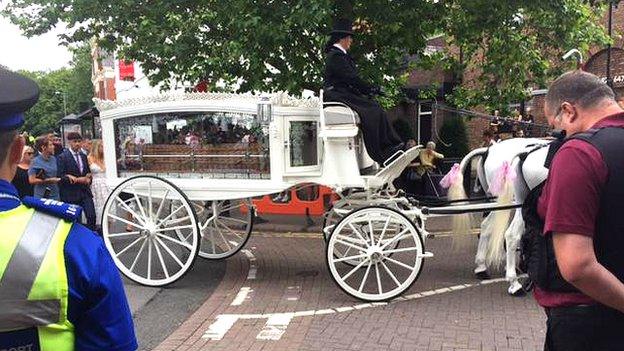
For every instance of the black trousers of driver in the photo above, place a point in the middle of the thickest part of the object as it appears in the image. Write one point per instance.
(380, 139)
(343, 84)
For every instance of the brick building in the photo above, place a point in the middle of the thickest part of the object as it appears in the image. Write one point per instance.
(102, 74)
(426, 124)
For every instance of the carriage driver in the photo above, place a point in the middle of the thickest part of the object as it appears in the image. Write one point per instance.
(342, 84)
(59, 288)
(580, 208)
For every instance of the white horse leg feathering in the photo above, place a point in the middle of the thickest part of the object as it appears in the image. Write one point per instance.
(512, 239)
(484, 238)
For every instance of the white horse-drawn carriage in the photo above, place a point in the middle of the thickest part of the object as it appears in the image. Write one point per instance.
(184, 169)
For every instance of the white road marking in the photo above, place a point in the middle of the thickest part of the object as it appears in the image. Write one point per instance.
(217, 330)
(275, 326)
(253, 268)
(293, 293)
(277, 323)
(241, 296)
(252, 273)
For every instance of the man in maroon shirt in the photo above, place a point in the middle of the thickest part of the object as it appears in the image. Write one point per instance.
(574, 211)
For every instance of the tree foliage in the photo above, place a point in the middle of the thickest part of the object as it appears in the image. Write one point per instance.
(269, 45)
(72, 84)
(515, 45)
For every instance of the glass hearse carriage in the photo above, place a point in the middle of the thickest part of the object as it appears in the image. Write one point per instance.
(185, 166)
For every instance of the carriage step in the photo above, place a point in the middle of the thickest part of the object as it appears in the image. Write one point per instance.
(426, 254)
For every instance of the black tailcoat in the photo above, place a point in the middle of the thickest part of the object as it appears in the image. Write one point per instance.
(342, 84)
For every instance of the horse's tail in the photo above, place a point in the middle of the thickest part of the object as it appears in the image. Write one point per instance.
(454, 181)
(503, 189)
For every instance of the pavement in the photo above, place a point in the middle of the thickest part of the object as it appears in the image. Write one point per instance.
(277, 294)
(158, 312)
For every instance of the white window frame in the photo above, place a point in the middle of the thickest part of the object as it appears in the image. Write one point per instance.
(293, 170)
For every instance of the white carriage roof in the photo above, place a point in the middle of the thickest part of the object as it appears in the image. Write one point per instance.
(276, 99)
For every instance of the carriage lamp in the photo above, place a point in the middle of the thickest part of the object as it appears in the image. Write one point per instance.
(69, 123)
(264, 116)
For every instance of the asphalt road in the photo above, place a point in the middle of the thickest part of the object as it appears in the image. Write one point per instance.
(158, 312)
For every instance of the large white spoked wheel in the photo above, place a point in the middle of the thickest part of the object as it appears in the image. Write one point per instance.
(150, 230)
(388, 248)
(225, 226)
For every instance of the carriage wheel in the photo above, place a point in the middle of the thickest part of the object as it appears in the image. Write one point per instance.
(142, 222)
(388, 247)
(331, 219)
(225, 226)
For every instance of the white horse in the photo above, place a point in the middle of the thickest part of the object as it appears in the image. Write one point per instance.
(502, 174)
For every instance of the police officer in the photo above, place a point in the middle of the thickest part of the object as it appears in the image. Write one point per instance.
(59, 289)
(342, 84)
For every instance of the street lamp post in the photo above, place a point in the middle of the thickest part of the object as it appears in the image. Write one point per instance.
(64, 101)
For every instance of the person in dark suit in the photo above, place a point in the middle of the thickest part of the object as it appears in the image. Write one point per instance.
(343, 84)
(75, 174)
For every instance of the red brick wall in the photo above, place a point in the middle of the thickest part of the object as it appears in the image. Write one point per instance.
(597, 65)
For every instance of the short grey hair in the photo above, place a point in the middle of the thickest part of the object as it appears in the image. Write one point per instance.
(431, 145)
(578, 87)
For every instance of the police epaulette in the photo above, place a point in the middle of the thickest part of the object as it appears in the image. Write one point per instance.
(54, 208)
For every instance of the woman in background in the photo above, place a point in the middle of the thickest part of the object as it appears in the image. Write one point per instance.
(98, 183)
(42, 172)
(20, 181)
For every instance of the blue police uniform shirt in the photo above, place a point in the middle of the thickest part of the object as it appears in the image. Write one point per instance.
(97, 307)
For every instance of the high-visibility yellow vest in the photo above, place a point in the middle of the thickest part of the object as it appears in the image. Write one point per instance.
(33, 279)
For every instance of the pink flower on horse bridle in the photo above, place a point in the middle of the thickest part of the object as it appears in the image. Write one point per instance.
(505, 173)
(451, 177)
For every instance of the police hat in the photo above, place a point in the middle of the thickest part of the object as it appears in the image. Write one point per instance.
(342, 26)
(17, 94)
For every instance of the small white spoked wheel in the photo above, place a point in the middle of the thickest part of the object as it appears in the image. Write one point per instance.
(332, 217)
(150, 229)
(388, 248)
(340, 209)
(225, 226)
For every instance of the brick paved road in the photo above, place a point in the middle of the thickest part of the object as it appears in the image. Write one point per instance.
(291, 303)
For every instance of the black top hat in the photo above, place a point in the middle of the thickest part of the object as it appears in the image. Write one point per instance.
(17, 94)
(342, 26)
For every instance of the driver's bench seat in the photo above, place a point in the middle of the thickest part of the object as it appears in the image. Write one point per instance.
(338, 116)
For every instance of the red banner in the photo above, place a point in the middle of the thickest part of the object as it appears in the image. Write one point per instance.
(126, 70)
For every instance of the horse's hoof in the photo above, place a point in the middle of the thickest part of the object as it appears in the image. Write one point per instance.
(516, 289)
(483, 275)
